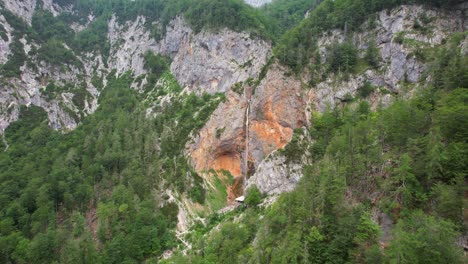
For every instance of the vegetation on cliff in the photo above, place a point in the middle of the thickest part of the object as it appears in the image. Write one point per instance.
(90, 196)
(107, 192)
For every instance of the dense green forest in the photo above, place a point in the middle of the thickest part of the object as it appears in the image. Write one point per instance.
(101, 193)
(53, 184)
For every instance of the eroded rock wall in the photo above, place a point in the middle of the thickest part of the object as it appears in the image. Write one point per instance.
(277, 107)
(213, 62)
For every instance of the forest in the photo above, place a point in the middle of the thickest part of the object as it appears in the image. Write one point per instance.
(408, 160)
(102, 192)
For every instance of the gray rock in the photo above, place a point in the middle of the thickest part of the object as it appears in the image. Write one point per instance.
(212, 62)
(275, 176)
(5, 50)
(257, 3)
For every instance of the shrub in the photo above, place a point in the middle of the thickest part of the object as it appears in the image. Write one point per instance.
(253, 196)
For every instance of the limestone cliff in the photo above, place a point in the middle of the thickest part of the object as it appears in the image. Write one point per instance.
(275, 102)
(204, 62)
(279, 104)
(257, 3)
(398, 42)
(25, 8)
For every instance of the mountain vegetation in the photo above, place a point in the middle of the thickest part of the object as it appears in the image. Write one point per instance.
(110, 190)
(107, 169)
(409, 155)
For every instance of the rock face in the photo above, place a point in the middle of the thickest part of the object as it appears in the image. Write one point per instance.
(25, 8)
(128, 44)
(257, 3)
(203, 62)
(277, 107)
(275, 175)
(220, 143)
(209, 62)
(398, 57)
(27, 90)
(5, 41)
(398, 64)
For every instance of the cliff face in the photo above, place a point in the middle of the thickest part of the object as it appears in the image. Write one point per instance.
(204, 62)
(211, 63)
(398, 43)
(25, 8)
(274, 102)
(257, 2)
(276, 108)
(279, 104)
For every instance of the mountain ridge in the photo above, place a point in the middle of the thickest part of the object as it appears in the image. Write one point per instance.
(159, 120)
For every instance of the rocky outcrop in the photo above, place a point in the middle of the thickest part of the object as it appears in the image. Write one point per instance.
(27, 90)
(398, 37)
(398, 40)
(5, 39)
(275, 175)
(128, 44)
(257, 3)
(212, 62)
(219, 144)
(203, 62)
(277, 107)
(25, 8)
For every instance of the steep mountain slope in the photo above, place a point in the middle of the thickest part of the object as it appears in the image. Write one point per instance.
(257, 2)
(128, 125)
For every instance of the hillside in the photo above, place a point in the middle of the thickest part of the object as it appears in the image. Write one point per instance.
(130, 127)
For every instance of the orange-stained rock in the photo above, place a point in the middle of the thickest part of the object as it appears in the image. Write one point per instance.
(230, 162)
(219, 144)
(277, 107)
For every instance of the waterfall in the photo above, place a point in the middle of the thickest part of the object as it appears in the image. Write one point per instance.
(246, 158)
(247, 95)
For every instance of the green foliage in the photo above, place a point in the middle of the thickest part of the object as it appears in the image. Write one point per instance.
(156, 65)
(216, 197)
(238, 88)
(287, 14)
(3, 33)
(93, 38)
(55, 53)
(342, 57)
(46, 26)
(112, 163)
(296, 47)
(323, 129)
(366, 90)
(219, 132)
(372, 55)
(451, 111)
(253, 196)
(409, 153)
(295, 149)
(450, 69)
(12, 67)
(424, 239)
(218, 14)
(17, 57)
